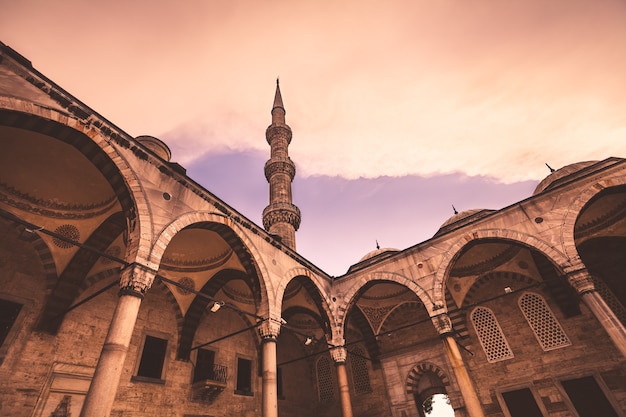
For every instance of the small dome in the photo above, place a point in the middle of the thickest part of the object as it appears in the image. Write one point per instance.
(462, 218)
(561, 173)
(156, 145)
(377, 252)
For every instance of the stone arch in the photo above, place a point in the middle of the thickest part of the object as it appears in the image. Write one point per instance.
(349, 297)
(70, 280)
(574, 210)
(247, 252)
(401, 308)
(37, 243)
(321, 296)
(468, 300)
(424, 380)
(94, 140)
(452, 253)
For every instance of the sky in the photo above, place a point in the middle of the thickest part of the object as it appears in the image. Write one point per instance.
(399, 109)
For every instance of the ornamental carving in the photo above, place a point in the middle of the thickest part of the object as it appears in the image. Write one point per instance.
(269, 329)
(280, 165)
(281, 213)
(274, 132)
(376, 315)
(339, 354)
(442, 323)
(68, 231)
(186, 285)
(136, 280)
(26, 202)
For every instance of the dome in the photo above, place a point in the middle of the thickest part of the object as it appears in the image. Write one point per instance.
(373, 257)
(547, 182)
(155, 145)
(377, 252)
(462, 218)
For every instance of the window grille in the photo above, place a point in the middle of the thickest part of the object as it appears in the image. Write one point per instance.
(610, 299)
(325, 380)
(547, 329)
(490, 335)
(360, 374)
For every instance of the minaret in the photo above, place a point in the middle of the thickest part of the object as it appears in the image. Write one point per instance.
(280, 218)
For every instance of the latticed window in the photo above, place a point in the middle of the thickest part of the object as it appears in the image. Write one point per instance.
(325, 379)
(547, 329)
(490, 335)
(610, 299)
(360, 374)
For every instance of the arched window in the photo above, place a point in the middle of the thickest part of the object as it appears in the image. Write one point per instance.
(547, 329)
(490, 335)
(360, 374)
(325, 386)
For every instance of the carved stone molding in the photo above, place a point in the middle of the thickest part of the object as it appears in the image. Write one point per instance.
(281, 165)
(281, 213)
(269, 329)
(274, 132)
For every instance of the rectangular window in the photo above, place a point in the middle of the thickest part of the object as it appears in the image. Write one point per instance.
(521, 403)
(588, 398)
(244, 376)
(152, 358)
(8, 314)
(204, 369)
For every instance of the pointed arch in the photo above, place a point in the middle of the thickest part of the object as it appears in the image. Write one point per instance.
(97, 142)
(312, 285)
(246, 251)
(453, 252)
(575, 209)
(69, 283)
(350, 296)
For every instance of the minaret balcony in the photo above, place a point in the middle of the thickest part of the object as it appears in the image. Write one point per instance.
(281, 213)
(280, 165)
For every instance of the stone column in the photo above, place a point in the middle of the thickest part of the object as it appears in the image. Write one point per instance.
(134, 282)
(269, 332)
(443, 324)
(583, 284)
(339, 355)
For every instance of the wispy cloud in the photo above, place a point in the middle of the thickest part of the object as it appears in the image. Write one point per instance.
(412, 88)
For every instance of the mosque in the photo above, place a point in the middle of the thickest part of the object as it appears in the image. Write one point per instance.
(128, 289)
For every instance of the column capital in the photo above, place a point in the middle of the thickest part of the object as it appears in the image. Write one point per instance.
(339, 354)
(136, 280)
(442, 324)
(581, 280)
(269, 329)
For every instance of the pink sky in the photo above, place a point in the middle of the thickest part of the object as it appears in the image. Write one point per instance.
(418, 89)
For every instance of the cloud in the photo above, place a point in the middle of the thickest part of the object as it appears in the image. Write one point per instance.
(413, 88)
(342, 219)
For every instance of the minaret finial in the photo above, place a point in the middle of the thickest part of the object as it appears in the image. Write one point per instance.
(281, 217)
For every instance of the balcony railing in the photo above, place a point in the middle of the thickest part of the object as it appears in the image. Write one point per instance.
(209, 383)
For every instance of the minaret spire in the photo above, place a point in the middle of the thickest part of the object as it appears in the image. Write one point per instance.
(281, 217)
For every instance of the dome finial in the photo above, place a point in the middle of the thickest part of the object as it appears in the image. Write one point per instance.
(454, 209)
(550, 168)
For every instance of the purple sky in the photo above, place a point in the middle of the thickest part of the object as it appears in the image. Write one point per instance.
(399, 109)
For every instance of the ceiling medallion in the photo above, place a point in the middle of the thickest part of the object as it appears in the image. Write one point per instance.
(68, 231)
(186, 282)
